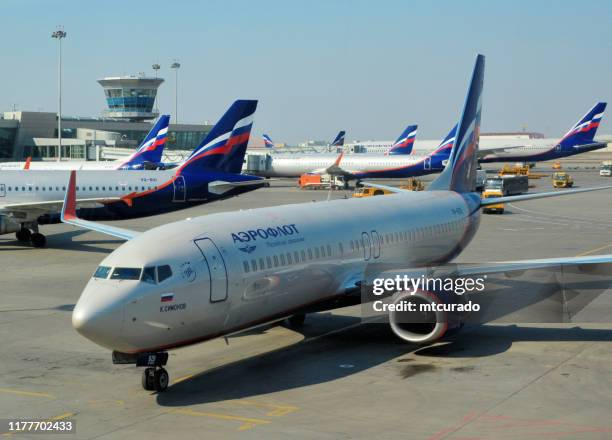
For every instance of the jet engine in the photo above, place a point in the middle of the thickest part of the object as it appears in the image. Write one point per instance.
(7, 226)
(422, 317)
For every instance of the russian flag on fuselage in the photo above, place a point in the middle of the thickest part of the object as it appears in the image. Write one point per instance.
(224, 147)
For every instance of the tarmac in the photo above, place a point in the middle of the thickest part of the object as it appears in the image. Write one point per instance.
(336, 377)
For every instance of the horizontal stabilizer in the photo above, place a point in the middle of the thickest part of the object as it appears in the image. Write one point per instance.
(509, 199)
(220, 187)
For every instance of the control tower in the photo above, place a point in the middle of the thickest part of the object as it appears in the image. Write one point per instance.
(130, 97)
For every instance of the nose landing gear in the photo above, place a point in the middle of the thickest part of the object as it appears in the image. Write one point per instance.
(155, 379)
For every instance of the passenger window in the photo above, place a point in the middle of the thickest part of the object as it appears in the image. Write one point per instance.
(245, 265)
(102, 272)
(262, 264)
(163, 273)
(254, 265)
(269, 261)
(316, 252)
(282, 259)
(148, 275)
(303, 253)
(275, 258)
(296, 256)
(289, 259)
(309, 253)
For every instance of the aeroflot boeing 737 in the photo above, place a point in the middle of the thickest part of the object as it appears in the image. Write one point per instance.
(211, 172)
(198, 279)
(147, 156)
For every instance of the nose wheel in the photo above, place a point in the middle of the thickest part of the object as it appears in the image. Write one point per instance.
(155, 379)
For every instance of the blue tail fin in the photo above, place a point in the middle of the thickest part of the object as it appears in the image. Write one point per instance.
(151, 148)
(460, 172)
(405, 142)
(446, 146)
(224, 147)
(339, 141)
(584, 131)
(267, 141)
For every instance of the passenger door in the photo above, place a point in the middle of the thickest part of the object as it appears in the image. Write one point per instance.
(367, 245)
(179, 189)
(216, 269)
(375, 244)
(2, 190)
(427, 163)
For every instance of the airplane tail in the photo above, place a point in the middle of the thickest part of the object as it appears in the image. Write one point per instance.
(224, 147)
(460, 172)
(339, 140)
(151, 148)
(268, 141)
(584, 131)
(446, 146)
(405, 142)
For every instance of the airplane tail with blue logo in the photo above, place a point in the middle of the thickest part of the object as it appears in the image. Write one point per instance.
(224, 148)
(405, 142)
(151, 148)
(460, 173)
(339, 140)
(583, 132)
(268, 141)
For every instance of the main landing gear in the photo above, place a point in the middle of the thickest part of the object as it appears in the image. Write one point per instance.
(26, 235)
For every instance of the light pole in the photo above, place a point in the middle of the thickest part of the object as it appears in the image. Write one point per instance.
(59, 34)
(156, 67)
(176, 65)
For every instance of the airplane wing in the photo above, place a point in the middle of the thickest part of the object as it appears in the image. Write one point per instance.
(40, 208)
(68, 215)
(221, 186)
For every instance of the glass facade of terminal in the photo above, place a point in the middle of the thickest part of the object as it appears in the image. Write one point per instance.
(7, 140)
(130, 100)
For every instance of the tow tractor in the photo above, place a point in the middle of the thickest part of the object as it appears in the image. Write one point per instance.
(561, 179)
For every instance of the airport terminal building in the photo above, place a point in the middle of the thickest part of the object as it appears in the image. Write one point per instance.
(126, 121)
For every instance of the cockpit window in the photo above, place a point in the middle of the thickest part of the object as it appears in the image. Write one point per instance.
(148, 275)
(126, 273)
(102, 272)
(163, 273)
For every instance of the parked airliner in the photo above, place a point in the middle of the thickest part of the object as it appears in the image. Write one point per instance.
(398, 162)
(579, 139)
(29, 197)
(198, 279)
(147, 156)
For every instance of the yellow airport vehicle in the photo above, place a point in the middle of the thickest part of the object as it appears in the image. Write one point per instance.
(556, 165)
(561, 179)
(519, 170)
(366, 191)
(489, 209)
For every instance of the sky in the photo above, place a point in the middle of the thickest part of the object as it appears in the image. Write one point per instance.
(318, 66)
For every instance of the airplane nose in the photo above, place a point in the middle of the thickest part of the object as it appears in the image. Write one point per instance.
(100, 323)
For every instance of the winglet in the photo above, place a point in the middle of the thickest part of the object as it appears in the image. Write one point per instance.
(27, 163)
(68, 215)
(337, 162)
(69, 207)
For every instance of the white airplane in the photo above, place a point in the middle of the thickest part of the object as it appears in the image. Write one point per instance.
(202, 278)
(147, 156)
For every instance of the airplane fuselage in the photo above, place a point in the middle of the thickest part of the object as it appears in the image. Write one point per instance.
(232, 271)
(359, 166)
(128, 194)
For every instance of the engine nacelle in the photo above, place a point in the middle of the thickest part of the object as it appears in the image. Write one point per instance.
(7, 226)
(429, 319)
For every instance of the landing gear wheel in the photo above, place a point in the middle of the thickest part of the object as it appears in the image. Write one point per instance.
(297, 320)
(23, 235)
(38, 240)
(161, 380)
(148, 379)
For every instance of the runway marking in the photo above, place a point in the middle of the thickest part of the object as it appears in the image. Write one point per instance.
(247, 423)
(26, 393)
(277, 410)
(103, 402)
(182, 378)
(595, 250)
